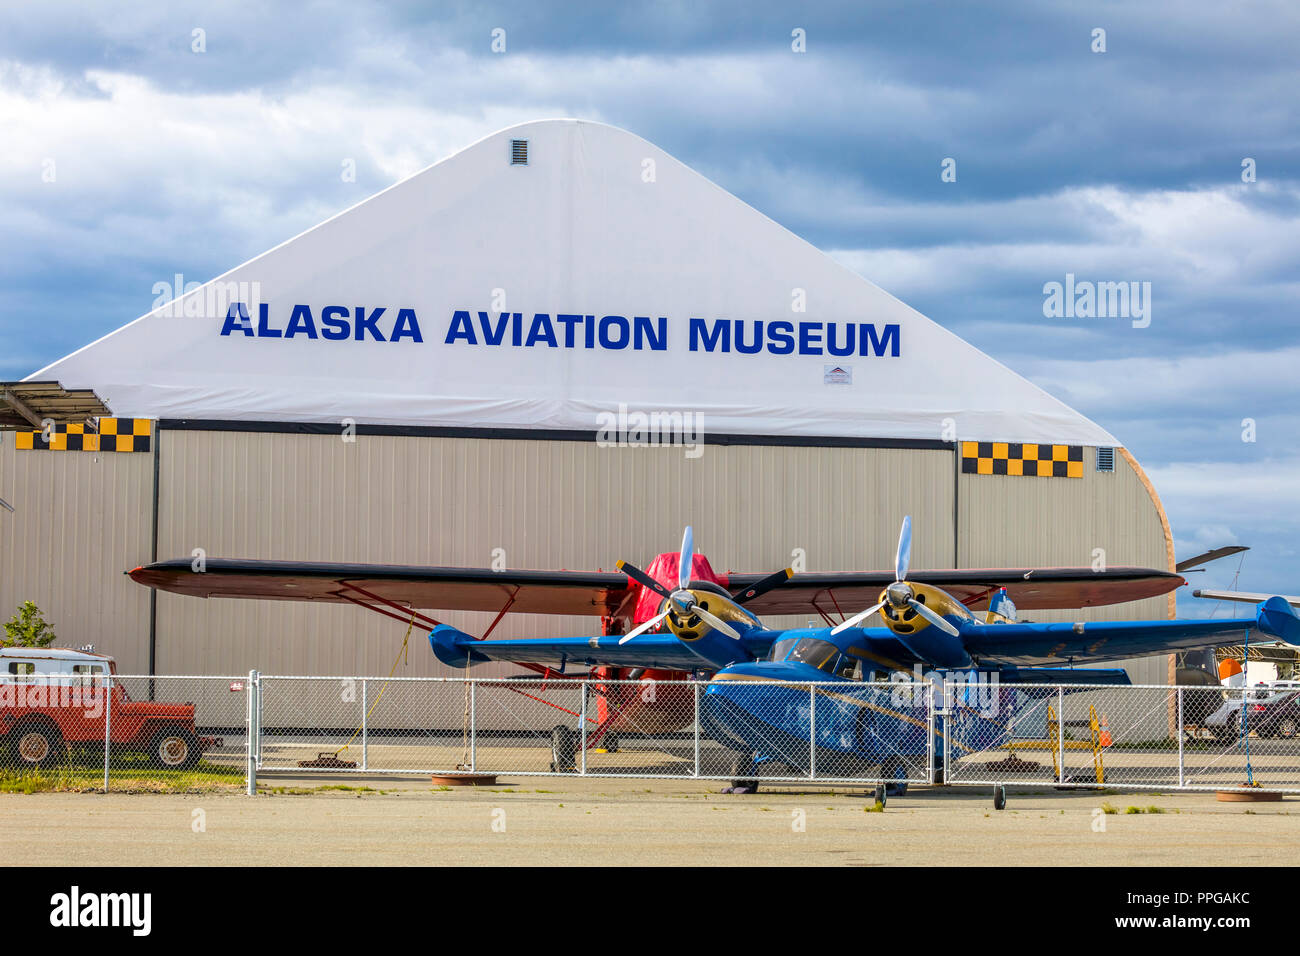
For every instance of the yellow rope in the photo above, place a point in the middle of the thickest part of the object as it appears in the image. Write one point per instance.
(403, 649)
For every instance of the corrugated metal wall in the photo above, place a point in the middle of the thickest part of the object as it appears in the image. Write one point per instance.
(547, 504)
(1057, 522)
(84, 518)
(80, 520)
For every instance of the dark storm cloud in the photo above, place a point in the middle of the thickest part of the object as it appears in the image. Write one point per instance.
(1113, 166)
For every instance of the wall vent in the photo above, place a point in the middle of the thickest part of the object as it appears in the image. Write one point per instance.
(519, 152)
(1105, 459)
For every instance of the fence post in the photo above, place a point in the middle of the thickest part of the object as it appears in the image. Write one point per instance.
(946, 706)
(250, 767)
(812, 731)
(1180, 737)
(108, 725)
(582, 723)
(931, 691)
(365, 728)
(697, 728)
(473, 725)
(1060, 732)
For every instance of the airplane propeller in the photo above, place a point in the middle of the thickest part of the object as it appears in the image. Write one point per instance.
(900, 595)
(680, 599)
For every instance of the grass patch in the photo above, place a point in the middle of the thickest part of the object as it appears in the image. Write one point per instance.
(876, 807)
(1107, 809)
(127, 777)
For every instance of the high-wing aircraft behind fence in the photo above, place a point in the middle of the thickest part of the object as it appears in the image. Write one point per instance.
(682, 618)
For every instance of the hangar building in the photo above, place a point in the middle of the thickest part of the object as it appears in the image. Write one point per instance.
(470, 367)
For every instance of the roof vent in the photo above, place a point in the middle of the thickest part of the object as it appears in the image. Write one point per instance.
(1105, 459)
(519, 152)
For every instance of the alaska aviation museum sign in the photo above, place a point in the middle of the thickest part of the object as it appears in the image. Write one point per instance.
(567, 330)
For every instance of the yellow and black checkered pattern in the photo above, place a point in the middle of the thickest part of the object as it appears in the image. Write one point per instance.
(1015, 458)
(115, 434)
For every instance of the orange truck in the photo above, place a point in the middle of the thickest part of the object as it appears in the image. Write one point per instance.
(52, 699)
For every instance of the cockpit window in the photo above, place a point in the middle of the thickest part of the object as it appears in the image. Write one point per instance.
(820, 654)
(781, 648)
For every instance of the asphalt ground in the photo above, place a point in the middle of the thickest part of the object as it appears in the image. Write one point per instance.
(402, 821)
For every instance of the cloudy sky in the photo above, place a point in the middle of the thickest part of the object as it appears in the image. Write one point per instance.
(1132, 164)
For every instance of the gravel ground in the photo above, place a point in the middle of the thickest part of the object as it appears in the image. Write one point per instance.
(610, 822)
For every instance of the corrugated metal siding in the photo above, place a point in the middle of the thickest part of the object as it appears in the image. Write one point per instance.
(451, 501)
(1057, 522)
(84, 518)
(81, 519)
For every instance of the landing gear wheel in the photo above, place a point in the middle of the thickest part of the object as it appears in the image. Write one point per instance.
(36, 746)
(999, 798)
(895, 770)
(563, 749)
(176, 749)
(740, 763)
(610, 742)
(881, 794)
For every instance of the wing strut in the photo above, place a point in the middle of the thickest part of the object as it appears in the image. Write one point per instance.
(409, 615)
(500, 614)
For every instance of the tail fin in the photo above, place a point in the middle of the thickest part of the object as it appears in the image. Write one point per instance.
(1001, 604)
(1277, 618)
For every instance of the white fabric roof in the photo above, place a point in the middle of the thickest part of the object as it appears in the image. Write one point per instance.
(598, 223)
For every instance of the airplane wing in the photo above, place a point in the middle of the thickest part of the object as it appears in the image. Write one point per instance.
(1086, 641)
(1195, 562)
(1243, 596)
(587, 593)
(1029, 588)
(662, 651)
(604, 593)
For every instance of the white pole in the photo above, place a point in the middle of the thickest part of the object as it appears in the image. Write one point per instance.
(1060, 732)
(697, 728)
(1180, 737)
(812, 731)
(473, 729)
(947, 732)
(582, 723)
(365, 729)
(108, 725)
(250, 766)
(931, 692)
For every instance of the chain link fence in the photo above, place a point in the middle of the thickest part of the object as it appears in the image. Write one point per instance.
(76, 732)
(180, 733)
(1203, 738)
(709, 730)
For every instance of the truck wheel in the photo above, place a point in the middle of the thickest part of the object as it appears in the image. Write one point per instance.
(176, 749)
(36, 746)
